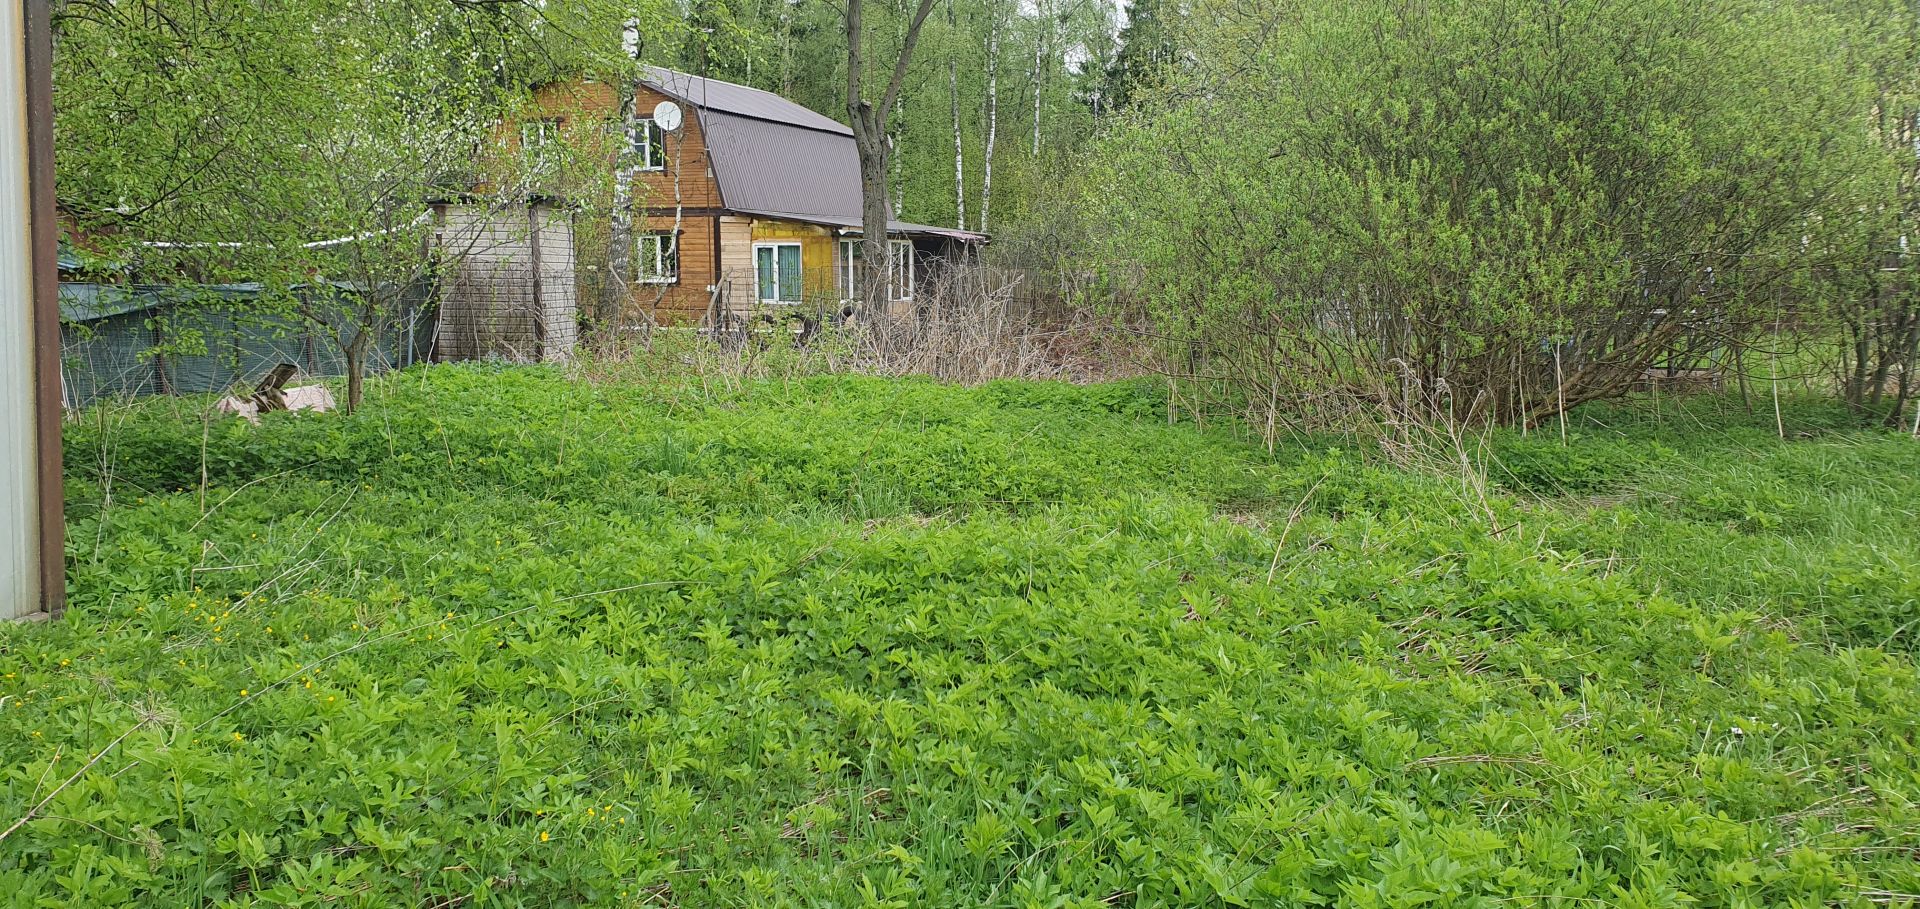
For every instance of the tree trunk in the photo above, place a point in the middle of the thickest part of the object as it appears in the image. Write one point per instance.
(1905, 355)
(872, 149)
(356, 355)
(614, 286)
(869, 122)
(993, 114)
(1039, 69)
(898, 191)
(959, 154)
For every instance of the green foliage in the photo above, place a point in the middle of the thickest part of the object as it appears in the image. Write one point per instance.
(1147, 46)
(280, 143)
(1545, 465)
(503, 638)
(1528, 205)
(1719, 511)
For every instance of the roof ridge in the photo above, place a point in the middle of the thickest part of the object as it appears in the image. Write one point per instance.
(711, 94)
(718, 81)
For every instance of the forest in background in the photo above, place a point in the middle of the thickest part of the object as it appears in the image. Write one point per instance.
(1306, 214)
(169, 113)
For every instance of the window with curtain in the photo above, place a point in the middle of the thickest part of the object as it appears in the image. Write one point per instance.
(777, 270)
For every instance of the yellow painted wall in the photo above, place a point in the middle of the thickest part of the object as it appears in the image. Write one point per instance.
(816, 255)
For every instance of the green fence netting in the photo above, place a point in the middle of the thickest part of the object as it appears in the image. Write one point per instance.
(128, 340)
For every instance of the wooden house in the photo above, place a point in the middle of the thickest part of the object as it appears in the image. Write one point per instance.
(752, 201)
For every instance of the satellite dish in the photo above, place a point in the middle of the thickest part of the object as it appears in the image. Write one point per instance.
(666, 115)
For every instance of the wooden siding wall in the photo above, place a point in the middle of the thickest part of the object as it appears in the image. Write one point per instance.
(585, 109)
(736, 257)
(688, 171)
(488, 302)
(686, 299)
(686, 187)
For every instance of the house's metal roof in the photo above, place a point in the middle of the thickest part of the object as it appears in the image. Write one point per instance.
(776, 159)
(715, 95)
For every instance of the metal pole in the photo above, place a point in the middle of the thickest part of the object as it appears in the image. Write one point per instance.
(32, 574)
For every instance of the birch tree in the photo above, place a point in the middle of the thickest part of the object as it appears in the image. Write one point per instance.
(959, 148)
(993, 111)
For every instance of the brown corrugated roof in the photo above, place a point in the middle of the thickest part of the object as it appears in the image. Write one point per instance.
(713, 94)
(776, 159)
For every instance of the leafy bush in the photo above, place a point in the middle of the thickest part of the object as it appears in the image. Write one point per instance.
(501, 639)
(1349, 210)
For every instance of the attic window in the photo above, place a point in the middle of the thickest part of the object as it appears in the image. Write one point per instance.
(535, 135)
(656, 258)
(649, 145)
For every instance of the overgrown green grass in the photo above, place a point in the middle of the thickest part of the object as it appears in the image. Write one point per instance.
(506, 639)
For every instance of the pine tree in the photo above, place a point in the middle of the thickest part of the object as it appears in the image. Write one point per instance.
(1146, 46)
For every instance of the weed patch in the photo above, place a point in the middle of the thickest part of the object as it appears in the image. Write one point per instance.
(505, 639)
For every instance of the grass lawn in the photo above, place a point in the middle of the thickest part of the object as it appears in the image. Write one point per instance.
(506, 639)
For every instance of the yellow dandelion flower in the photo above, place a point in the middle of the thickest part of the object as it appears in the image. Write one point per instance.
(243, 692)
(543, 833)
(238, 737)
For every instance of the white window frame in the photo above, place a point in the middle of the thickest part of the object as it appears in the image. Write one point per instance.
(536, 133)
(800, 251)
(900, 262)
(844, 270)
(649, 138)
(900, 251)
(663, 248)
